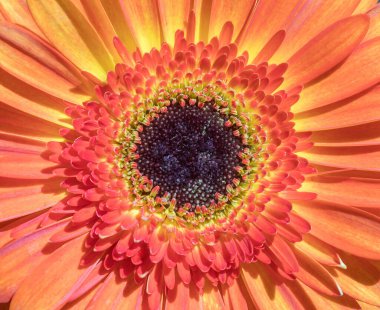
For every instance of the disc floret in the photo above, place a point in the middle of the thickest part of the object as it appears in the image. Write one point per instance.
(196, 99)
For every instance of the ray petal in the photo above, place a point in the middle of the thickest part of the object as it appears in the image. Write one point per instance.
(53, 289)
(346, 228)
(350, 191)
(143, 21)
(265, 289)
(66, 27)
(360, 135)
(267, 19)
(237, 294)
(361, 109)
(17, 202)
(356, 157)
(173, 15)
(364, 6)
(18, 12)
(341, 83)
(314, 275)
(47, 70)
(324, 51)
(116, 16)
(361, 280)
(310, 18)
(22, 255)
(374, 27)
(24, 166)
(236, 12)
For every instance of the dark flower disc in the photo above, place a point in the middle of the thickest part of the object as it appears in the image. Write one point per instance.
(189, 153)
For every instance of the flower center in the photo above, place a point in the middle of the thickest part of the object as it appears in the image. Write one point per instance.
(189, 153)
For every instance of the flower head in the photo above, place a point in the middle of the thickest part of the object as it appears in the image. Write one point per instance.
(177, 156)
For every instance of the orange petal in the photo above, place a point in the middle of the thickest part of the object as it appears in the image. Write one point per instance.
(319, 250)
(202, 14)
(314, 275)
(19, 228)
(270, 47)
(361, 135)
(266, 290)
(345, 228)
(237, 294)
(65, 26)
(311, 299)
(267, 19)
(11, 143)
(358, 192)
(46, 69)
(17, 123)
(16, 202)
(109, 293)
(364, 6)
(211, 298)
(15, 94)
(102, 24)
(353, 111)
(17, 12)
(324, 51)
(365, 306)
(358, 73)
(309, 19)
(360, 280)
(362, 158)
(144, 23)
(173, 15)
(19, 258)
(57, 276)
(132, 296)
(178, 297)
(116, 16)
(24, 166)
(82, 302)
(374, 26)
(284, 253)
(223, 11)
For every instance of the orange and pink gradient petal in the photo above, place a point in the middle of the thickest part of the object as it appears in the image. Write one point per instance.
(189, 154)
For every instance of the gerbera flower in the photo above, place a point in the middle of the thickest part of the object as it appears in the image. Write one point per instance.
(189, 154)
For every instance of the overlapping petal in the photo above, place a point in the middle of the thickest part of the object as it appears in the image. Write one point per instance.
(307, 230)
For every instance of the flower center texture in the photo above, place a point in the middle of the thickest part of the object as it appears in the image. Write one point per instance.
(190, 153)
(188, 149)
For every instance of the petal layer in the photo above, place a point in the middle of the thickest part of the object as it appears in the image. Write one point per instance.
(325, 50)
(345, 228)
(65, 26)
(358, 73)
(57, 276)
(353, 111)
(22, 256)
(358, 192)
